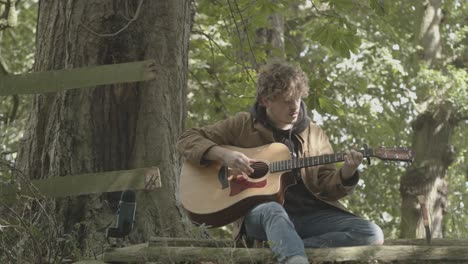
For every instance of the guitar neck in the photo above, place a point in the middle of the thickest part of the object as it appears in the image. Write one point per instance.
(285, 165)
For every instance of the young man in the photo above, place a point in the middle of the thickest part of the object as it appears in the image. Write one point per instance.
(311, 215)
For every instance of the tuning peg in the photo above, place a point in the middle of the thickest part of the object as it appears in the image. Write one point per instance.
(366, 148)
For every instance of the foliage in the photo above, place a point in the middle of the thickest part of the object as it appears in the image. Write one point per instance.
(29, 232)
(16, 56)
(455, 220)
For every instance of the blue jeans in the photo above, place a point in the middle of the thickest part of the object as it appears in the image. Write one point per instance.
(288, 235)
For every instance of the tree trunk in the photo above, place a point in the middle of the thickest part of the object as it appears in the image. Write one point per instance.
(111, 127)
(432, 130)
(429, 29)
(431, 136)
(268, 40)
(272, 37)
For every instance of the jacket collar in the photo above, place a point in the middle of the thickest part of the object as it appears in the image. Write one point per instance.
(258, 112)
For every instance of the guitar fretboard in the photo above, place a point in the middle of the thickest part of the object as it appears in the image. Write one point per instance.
(284, 165)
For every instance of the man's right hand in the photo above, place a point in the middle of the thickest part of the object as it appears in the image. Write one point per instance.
(238, 162)
(235, 160)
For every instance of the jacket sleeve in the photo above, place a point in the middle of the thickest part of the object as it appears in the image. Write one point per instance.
(195, 142)
(330, 183)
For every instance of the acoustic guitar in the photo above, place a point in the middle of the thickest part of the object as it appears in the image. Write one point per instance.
(213, 198)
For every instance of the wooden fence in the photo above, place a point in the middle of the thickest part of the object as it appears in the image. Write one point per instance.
(72, 185)
(60, 80)
(82, 184)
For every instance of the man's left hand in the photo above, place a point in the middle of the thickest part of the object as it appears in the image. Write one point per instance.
(352, 160)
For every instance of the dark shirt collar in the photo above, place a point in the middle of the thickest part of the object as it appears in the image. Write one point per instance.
(303, 120)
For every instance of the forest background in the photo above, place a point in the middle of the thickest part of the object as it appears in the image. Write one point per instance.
(380, 74)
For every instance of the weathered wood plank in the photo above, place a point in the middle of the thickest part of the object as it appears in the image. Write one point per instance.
(55, 81)
(188, 242)
(434, 242)
(390, 253)
(89, 262)
(185, 242)
(142, 253)
(72, 185)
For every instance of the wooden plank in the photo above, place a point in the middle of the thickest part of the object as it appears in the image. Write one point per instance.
(142, 253)
(194, 242)
(89, 262)
(188, 242)
(72, 185)
(391, 253)
(56, 81)
(434, 242)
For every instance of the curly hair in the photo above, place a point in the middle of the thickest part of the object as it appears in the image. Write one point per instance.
(281, 78)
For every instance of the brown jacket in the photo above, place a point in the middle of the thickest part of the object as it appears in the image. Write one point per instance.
(242, 130)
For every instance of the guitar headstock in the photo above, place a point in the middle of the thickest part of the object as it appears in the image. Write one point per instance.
(394, 153)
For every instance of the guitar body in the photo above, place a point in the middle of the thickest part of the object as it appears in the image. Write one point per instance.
(213, 200)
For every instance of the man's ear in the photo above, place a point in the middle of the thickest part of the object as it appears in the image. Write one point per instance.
(263, 101)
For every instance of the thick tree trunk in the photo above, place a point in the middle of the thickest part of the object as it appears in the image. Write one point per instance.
(112, 127)
(432, 130)
(431, 135)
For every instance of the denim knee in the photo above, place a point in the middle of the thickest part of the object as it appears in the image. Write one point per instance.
(272, 209)
(377, 236)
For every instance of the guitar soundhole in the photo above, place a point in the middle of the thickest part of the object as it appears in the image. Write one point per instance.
(260, 170)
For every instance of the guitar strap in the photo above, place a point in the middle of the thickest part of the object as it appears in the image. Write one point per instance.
(286, 137)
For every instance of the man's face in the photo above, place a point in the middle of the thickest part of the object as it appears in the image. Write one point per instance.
(282, 112)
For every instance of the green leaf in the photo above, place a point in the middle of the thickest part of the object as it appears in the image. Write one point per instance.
(343, 5)
(330, 106)
(339, 37)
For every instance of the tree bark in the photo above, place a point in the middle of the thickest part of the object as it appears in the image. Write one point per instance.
(426, 176)
(272, 37)
(111, 127)
(429, 30)
(432, 131)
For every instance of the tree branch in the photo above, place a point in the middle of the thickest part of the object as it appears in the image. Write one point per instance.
(9, 17)
(214, 42)
(248, 38)
(3, 67)
(14, 109)
(320, 12)
(461, 119)
(231, 11)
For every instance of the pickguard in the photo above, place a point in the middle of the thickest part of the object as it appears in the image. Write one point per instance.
(238, 186)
